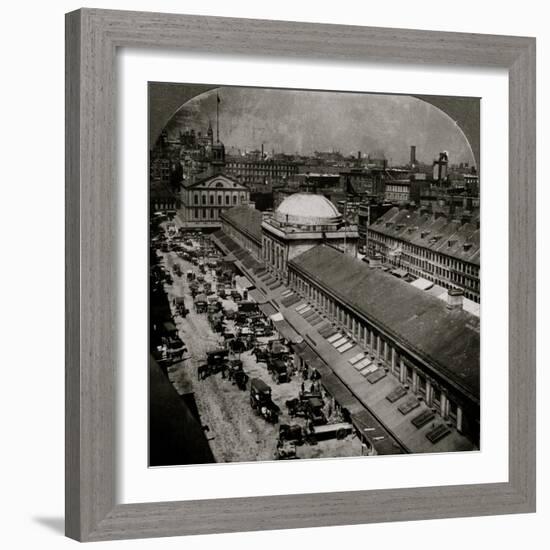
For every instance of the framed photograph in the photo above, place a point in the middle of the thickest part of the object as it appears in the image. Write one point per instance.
(277, 311)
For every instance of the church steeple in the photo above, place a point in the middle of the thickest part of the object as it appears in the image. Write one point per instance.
(210, 133)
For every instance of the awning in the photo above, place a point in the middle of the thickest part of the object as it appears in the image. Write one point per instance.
(367, 425)
(243, 282)
(257, 295)
(400, 273)
(285, 330)
(267, 309)
(422, 284)
(305, 352)
(341, 394)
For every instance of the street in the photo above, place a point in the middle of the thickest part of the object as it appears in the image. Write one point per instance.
(234, 431)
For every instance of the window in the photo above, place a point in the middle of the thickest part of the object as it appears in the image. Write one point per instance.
(212, 213)
(219, 200)
(227, 200)
(196, 199)
(234, 199)
(204, 199)
(211, 199)
(204, 213)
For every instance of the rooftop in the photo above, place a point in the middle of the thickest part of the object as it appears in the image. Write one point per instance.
(246, 219)
(221, 181)
(307, 209)
(438, 234)
(448, 340)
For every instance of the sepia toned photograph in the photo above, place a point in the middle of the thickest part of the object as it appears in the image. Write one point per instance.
(314, 274)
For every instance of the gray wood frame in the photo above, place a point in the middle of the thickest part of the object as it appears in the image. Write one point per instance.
(92, 38)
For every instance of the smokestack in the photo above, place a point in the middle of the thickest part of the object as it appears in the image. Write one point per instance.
(358, 155)
(413, 155)
(262, 150)
(455, 298)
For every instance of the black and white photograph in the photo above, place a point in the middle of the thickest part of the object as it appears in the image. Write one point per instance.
(314, 274)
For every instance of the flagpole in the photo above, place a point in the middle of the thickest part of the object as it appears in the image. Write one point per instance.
(217, 117)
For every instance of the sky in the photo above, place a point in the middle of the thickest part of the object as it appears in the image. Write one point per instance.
(295, 121)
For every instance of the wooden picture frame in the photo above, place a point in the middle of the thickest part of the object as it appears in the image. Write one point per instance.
(92, 39)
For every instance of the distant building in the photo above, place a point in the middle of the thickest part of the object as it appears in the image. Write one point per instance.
(440, 246)
(160, 169)
(258, 174)
(367, 214)
(162, 198)
(398, 191)
(302, 221)
(441, 168)
(204, 200)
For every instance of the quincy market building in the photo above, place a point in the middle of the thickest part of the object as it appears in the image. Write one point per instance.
(405, 362)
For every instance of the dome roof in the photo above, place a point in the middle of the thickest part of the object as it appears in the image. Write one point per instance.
(307, 209)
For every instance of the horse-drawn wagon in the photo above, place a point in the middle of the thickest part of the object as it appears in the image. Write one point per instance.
(261, 401)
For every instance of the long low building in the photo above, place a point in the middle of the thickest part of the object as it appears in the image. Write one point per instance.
(430, 346)
(408, 357)
(440, 247)
(243, 225)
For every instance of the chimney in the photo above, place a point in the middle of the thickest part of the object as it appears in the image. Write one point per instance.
(455, 298)
(413, 155)
(358, 155)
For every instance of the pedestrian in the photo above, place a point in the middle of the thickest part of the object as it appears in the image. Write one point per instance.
(303, 387)
(312, 388)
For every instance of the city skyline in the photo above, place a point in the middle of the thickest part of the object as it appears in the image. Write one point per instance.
(296, 121)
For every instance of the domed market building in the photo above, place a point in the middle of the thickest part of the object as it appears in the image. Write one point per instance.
(302, 221)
